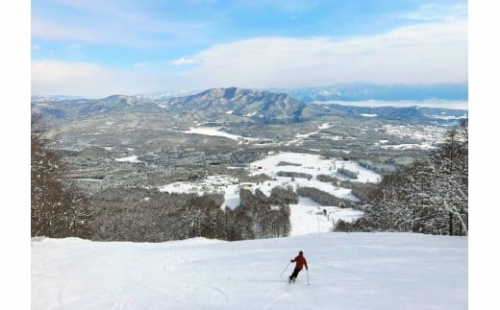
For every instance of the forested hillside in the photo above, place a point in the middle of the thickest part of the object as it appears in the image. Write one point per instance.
(429, 195)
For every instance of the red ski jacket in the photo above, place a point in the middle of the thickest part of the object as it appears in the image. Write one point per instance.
(300, 261)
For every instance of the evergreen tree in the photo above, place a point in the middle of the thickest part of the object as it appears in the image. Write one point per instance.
(451, 185)
(429, 196)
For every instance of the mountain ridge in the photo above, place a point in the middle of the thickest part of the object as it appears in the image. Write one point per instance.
(237, 104)
(347, 92)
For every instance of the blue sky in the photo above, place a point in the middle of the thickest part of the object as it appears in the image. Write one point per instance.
(99, 48)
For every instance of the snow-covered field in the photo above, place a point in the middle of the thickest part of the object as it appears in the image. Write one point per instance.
(131, 159)
(313, 165)
(427, 134)
(307, 217)
(346, 271)
(310, 164)
(210, 131)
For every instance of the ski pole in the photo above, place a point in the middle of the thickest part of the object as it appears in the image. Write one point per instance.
(285, 269)
(307, 273)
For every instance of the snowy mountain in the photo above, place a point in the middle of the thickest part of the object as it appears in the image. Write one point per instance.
(167, 94)
(242, 102)
(236, 101)
(234, 105)
(338, 92)
(38, 98)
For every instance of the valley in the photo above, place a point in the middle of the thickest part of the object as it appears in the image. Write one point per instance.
(122, 142)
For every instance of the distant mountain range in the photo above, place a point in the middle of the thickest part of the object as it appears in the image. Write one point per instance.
(339, 92)
(235, 104)
(39, 98)
(390, 92)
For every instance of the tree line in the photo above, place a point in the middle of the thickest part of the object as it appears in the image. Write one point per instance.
(59, 209)
(429, 196)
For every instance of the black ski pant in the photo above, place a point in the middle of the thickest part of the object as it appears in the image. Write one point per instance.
(295, 273)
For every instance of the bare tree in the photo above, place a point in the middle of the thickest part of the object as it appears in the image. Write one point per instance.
(54, 204)
(429, 196)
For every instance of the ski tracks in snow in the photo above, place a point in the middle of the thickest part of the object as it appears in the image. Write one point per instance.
(201, 292)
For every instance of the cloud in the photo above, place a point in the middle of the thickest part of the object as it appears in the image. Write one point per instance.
(185, 61)
(51, 30)
(432, 52)
(437, 12)
(428, 53)
(49, 77)
(129, 24)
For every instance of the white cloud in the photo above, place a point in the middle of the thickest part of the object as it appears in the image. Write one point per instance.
(97, 21)
(57, 77)
(45, 29)
(49, 77)
(438, 12)
(429, 53)
(185, 61)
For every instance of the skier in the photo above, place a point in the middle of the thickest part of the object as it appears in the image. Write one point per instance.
(300, 261)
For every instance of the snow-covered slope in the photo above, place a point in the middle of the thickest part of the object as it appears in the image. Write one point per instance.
(346, 271)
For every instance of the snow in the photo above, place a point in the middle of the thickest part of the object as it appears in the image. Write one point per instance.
(313, 165)
(307, 217)
(210, 131)
(325, 126)
(300, 137)
(310, 164)
(221, 184)
(346, 271)
(407, 146)
(443, 104)
(131, 159)
(449, 117)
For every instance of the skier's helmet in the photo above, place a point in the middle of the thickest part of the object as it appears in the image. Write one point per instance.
(300, 253)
